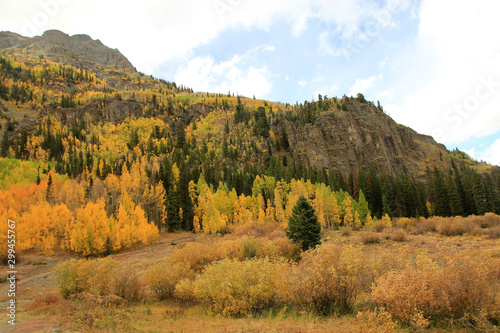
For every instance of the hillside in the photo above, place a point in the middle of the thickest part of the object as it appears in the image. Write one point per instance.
(76, 113)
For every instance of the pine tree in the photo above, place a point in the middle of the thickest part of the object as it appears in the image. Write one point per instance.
(441, 198)
(5, 145)
(303, 226)
(50, 192)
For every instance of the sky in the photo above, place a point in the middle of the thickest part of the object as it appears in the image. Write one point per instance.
(434, 65)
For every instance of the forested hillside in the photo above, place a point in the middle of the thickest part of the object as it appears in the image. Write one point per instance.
(96, 158)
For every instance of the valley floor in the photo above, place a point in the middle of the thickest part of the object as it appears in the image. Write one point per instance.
(40, 308)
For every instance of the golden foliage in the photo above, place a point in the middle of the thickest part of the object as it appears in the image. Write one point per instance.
(234, 287)
(163, 277)
(456, 286)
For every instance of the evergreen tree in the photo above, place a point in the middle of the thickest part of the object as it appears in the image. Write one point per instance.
(5, 145)
(50, 192)
(303, 226)
(180, 135)
(441, 196)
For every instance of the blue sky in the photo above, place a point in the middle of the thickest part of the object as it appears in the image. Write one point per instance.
(433, 64)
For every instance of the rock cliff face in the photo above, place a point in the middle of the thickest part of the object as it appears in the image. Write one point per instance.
(60, 47)
(363, 136)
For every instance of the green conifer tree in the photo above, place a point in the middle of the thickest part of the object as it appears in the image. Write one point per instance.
(303, 226)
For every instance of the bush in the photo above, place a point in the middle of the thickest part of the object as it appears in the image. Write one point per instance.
(380, 226)
(163, 277)
(423, 226)
(326, 280)
(128, 286)
(455, 226)
(249, 247)
(400, 235)
(493, 233)
(427, 290)
(489, 220)
(92, 276)
(203, 252)
(345, 231)
(233, 287)
(369, 237)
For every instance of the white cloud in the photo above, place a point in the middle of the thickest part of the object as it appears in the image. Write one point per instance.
(151, 32)
(363, 85)
(302, 83)
(204, 74)
(454, 54)
(490, 155)
(328, 91)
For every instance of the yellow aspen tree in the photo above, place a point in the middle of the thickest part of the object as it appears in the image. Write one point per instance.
(112, 186)
(319, 204)
(92, 229)
(270, 213)
(348, 216)
(386, 219)
(280, 202)
(369, 224)
(357, 221)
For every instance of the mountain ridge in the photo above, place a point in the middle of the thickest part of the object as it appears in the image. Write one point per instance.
(346, 134)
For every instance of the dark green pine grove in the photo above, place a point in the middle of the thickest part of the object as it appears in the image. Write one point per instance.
(303, 226)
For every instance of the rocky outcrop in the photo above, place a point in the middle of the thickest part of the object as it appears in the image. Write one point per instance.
(360, 137)
(77, 50)
(113, 111)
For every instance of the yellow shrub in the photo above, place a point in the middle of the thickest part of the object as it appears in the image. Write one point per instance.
(234, 287)
(162, 278)
(93, 276)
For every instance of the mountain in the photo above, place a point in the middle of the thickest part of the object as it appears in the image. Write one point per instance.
(76, 50)
(82, 109)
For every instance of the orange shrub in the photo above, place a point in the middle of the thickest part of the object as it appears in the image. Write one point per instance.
(369, 237)
(399, 235)
(326, 280)
(454, 287)
(128, 285)
(454, 226)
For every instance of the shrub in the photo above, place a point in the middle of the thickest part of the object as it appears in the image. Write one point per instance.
(345, 231)
(128, 286)
(249, 247)
(455, 226)
(423, 226)
(454, 287)
(326, 280)
(378, 321)
(233, 287)
(369, 237)
(380, 226)
(93, 276)
(489, 220)
(493, 233)
(163, 277)
(400, 235)
(404, 222)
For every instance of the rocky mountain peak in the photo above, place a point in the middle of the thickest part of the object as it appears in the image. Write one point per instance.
(76, 50)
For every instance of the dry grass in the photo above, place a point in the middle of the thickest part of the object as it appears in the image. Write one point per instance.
(437, 276)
